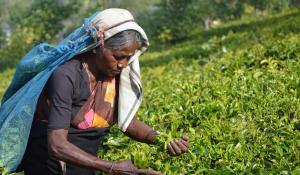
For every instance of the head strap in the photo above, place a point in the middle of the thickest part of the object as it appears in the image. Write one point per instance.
(101, 32)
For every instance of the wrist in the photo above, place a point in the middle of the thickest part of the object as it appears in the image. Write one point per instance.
(160, 140)
(103, 165)
(150, 137)
(111, 168)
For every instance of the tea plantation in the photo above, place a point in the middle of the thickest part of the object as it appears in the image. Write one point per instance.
(235, 90)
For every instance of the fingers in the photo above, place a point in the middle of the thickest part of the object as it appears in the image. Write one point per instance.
(181, 145)
(178, 146)
(148, 172)
(184, 142)
(175, 147)
(171, 150)
(185, 137)
(124, 167)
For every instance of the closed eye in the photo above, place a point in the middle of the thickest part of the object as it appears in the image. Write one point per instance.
(120, 57)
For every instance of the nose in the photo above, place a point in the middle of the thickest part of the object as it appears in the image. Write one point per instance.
(122, 63)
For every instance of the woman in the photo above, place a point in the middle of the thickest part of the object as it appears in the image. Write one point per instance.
(86, 95)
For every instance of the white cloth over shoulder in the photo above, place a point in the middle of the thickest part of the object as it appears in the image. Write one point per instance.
(112, 21)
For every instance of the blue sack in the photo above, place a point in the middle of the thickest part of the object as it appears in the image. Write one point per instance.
(20, 99)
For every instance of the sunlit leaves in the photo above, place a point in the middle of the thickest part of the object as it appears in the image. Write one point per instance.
(240, 108)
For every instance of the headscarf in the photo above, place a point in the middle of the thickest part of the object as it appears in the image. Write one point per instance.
(20, 99)
(111, 22)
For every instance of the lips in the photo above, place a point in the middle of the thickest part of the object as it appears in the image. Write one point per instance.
(116, 72)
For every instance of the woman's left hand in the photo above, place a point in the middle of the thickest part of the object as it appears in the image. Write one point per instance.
(179, 146)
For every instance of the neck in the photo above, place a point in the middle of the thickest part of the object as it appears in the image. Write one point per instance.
(90, 60)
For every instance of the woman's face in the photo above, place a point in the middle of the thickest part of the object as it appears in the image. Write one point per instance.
(111, 62)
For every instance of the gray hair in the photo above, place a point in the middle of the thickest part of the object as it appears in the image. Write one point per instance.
(123, 40)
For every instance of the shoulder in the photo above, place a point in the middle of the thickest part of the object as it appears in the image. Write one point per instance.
(69, 67)
(66, 76)
(64, 80)
(69, 70)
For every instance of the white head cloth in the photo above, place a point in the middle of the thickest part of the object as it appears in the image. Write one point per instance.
(113, 21)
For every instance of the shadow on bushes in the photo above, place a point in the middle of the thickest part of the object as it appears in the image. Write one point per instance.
(202, 44)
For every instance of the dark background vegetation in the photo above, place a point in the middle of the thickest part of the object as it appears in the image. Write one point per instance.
(25, 23)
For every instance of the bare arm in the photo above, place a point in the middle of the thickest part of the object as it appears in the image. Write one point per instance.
(63, 150)
(140, 131)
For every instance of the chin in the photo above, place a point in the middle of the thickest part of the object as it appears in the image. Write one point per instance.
(111, 75)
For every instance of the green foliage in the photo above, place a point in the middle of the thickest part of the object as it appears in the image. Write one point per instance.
(236, 96)
(271, 5)
(174, 20)
(3, 170)
(230, 10)
(2, 38)
(45, 10)
(171, 21)
(33, 28)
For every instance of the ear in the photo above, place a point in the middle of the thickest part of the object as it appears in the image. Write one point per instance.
(99, 50)
(101, 37)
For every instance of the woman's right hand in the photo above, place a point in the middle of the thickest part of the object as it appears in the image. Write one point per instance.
(126, 167)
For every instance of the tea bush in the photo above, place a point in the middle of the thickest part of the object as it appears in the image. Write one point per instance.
(236, 96)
